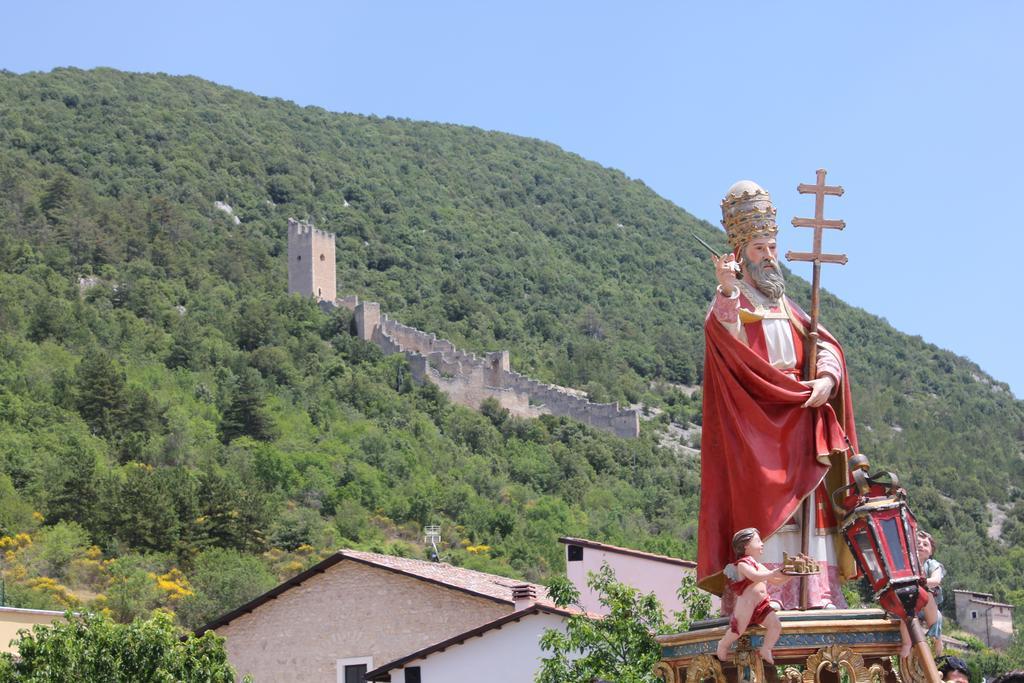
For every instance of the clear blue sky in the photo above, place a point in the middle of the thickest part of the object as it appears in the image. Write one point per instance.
(915, 108)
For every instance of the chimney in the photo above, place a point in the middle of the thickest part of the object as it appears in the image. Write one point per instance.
(524, 595)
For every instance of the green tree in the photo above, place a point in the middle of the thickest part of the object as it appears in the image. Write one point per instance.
(57, 197)
(696, 603)
(126, 416)
(143, 511)
(91, 647)
(235, 514)
(246, 414)
(186, 345)
(222, 579)
(100, 392)
(132, 593)
(73, 494)
(619, 647)
(15, 512)
(55, 547)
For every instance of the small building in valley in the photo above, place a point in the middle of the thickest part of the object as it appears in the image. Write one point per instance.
(981, 616)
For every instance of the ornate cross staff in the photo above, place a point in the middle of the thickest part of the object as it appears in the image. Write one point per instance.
(818, 223)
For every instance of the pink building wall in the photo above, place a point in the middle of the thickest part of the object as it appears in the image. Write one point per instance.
(647, 572)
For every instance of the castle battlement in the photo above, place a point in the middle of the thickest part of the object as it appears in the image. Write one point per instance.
(304, 230)
(311, 261)
(470, 380)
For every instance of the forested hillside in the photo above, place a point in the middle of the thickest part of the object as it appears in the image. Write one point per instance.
(177, 431)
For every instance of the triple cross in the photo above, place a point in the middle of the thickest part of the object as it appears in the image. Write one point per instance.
(818, 223)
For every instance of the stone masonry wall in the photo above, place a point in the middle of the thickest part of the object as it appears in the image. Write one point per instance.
(469, 379)
(311, 261)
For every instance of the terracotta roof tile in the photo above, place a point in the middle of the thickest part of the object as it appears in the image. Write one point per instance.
(491, 585)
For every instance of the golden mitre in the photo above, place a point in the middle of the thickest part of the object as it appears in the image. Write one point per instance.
(747, 212)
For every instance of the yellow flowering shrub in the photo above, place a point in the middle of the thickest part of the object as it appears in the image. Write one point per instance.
(89, 571)
(174, 585)
(55, 591)
(15, 543)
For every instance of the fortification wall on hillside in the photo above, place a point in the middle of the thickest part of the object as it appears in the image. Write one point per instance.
(465, 377)
(469, 380)
(347, 302)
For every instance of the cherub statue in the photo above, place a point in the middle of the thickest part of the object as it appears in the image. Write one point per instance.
(933, 572)
(749, 579)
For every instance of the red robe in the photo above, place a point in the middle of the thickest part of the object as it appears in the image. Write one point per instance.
(762, 453)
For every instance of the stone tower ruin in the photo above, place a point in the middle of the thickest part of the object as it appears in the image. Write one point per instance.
(311, 266)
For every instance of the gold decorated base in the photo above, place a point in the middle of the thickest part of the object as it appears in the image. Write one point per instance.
(818, 646)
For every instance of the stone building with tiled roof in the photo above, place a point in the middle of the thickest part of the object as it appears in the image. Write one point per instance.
(981, 616)
(355, 611)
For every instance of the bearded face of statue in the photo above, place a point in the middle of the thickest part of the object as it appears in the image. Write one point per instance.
(761, 264)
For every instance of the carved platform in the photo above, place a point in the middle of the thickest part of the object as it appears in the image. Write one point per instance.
(820, 646)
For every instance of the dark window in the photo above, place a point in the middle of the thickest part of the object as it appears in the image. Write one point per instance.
(299, 258)
(412, 674)
(575, 553)
(322, 257)
(890, 527)
(974, 615)
(355, 673)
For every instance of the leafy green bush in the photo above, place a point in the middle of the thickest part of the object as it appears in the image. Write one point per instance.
(91, 647)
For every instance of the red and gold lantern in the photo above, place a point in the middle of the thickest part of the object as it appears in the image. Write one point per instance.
(881, 532)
